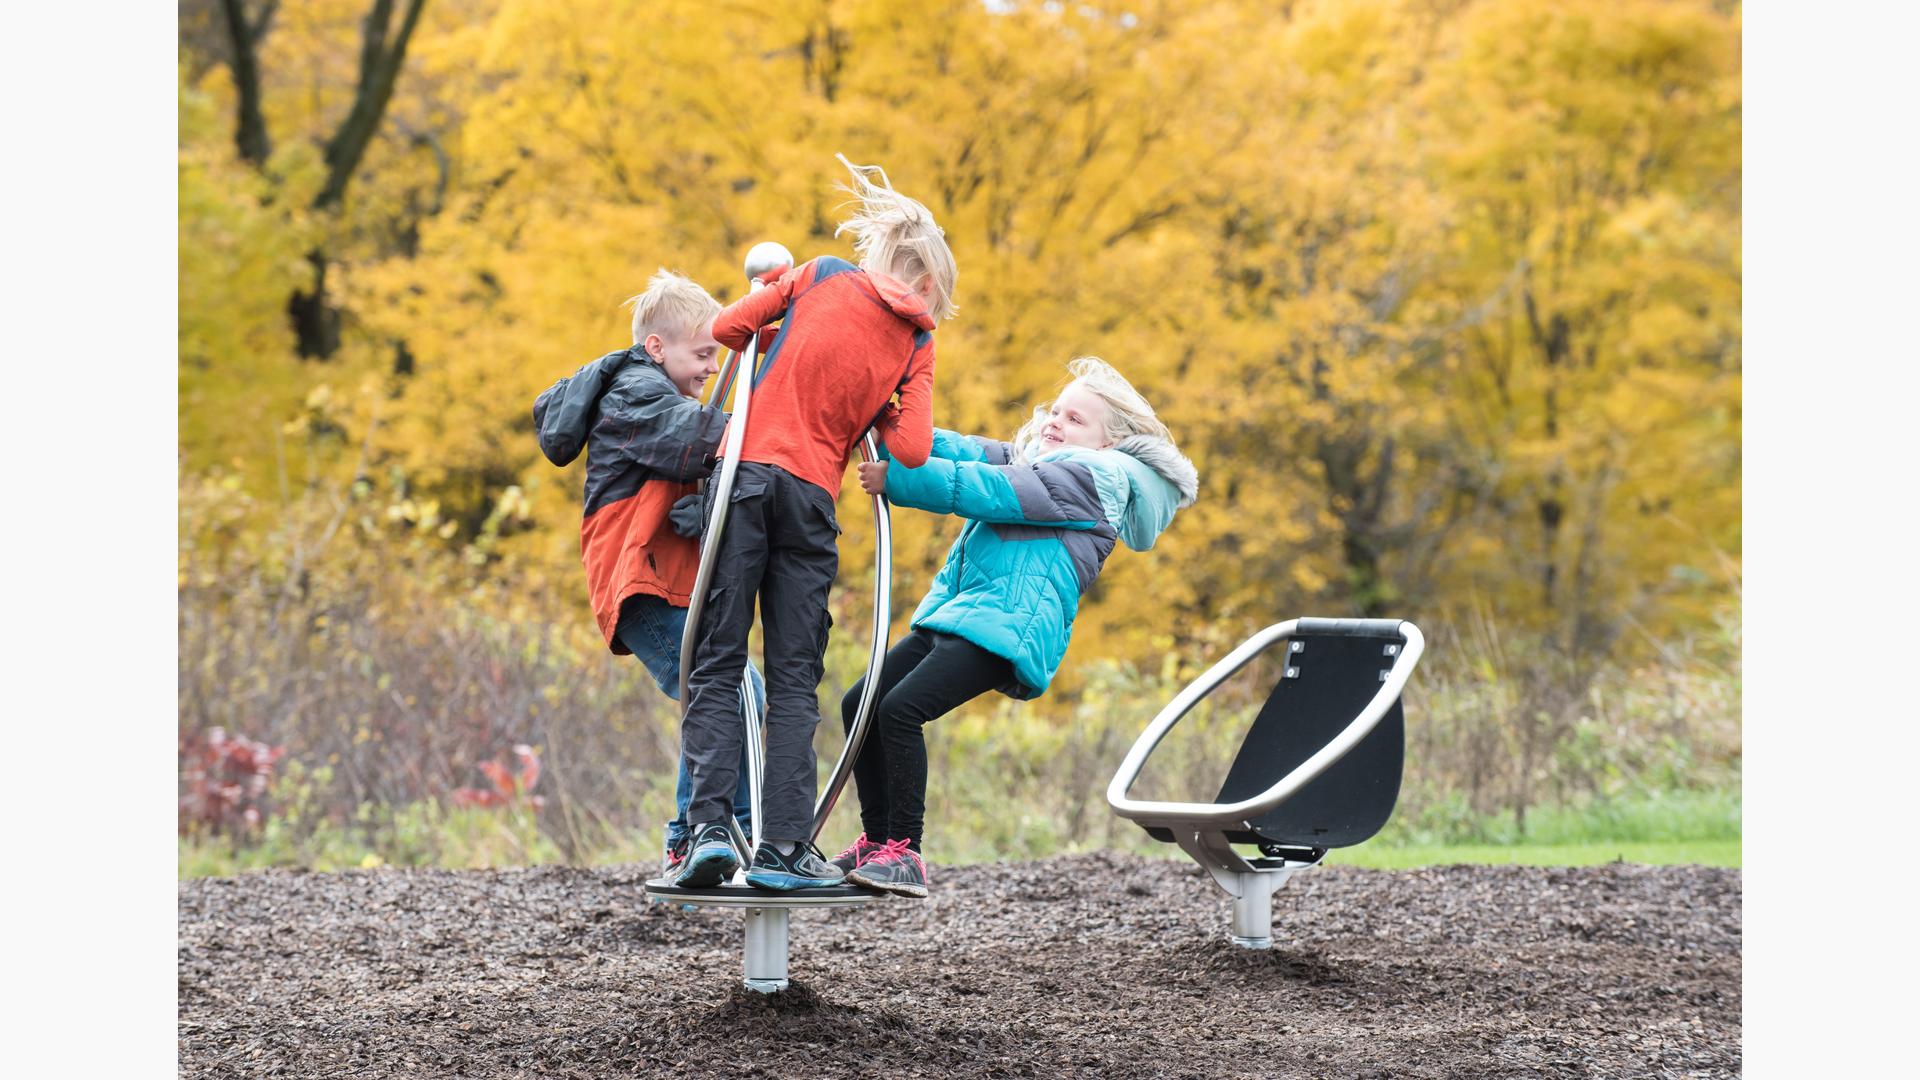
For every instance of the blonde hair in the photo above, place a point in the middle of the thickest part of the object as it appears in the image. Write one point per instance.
(1127, 412)
(897, 236)
(673, 306)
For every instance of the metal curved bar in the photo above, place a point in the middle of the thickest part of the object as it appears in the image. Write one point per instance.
(724, 385)
(753, 713)
(1224, 814)
(882, 620)
(723, 495)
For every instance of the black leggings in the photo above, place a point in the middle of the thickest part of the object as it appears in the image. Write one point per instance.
(928, 674)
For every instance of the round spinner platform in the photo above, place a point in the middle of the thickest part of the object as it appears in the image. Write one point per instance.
(734, 895)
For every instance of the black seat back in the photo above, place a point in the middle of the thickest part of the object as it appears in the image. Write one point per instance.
(1326, 682)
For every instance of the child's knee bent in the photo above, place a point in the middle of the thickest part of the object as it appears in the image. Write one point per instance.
(904, 716)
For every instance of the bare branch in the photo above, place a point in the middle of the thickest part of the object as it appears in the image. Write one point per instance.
(260, 25)
(443, 163)
(379, 69)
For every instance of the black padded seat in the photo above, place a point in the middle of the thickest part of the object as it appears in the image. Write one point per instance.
(1318, 768)
(1325, 683)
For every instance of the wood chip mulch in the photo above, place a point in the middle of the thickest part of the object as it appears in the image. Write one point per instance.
(1100, 965)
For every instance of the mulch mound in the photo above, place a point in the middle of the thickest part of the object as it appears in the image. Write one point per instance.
(1100, 965)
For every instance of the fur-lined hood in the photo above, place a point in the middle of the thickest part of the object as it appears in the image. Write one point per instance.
(1149, 481)
(1162, 457)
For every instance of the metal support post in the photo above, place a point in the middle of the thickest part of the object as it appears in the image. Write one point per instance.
(766, 949)
(1253, 909)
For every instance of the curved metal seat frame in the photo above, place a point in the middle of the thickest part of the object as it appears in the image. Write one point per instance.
(766, 912)
(1203, 830)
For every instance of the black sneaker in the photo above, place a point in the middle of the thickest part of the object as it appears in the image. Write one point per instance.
(806, 868)
(896, 868)
(857, 852)
(711, 861)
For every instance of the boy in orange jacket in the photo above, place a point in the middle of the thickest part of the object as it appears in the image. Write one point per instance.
(637, 414)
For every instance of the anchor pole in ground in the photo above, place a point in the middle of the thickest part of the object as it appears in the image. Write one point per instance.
(766, 967)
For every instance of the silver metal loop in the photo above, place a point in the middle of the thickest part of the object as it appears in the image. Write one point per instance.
(882, 624)
(741, 366)
(1237, 814)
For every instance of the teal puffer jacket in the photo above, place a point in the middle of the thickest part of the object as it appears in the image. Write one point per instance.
(1037, 535)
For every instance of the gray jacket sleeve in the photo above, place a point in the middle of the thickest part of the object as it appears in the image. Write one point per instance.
(564, 414)
(1059, 494)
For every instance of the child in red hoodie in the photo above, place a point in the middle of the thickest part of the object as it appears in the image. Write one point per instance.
(852, 338)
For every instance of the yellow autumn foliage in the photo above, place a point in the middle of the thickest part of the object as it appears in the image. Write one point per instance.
(1442, 299)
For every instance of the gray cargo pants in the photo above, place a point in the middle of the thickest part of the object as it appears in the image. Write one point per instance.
(780, 546)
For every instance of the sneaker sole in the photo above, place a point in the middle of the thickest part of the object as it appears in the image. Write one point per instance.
(781, 881)
(898, 888)
(707, 871)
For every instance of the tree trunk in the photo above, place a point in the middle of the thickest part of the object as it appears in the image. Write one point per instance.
(315, 320)
(316, 323)
(250, 128)
(1553, 338)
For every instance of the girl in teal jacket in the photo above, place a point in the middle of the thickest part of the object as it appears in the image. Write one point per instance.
(1043, 512)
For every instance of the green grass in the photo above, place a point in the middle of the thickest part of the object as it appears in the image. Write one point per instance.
(1658, 853)
(1645, 817)
(1654, 827)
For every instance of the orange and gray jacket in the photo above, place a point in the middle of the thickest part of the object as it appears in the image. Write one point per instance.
(646, 444)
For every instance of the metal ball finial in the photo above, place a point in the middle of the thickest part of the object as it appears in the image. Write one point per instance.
(766, 257)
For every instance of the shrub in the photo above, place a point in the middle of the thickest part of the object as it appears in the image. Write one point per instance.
(223, 779)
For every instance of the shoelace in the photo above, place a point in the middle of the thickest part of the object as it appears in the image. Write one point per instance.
(809, 848)
(898, 850)
(860, 849)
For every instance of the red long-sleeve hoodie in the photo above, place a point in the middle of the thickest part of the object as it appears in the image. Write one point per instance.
(851, 339)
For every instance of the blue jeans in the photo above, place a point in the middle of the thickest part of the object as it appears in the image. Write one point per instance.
(652, 628)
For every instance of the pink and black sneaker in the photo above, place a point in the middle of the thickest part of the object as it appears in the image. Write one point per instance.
(676, 854)
(857, 852)
(895, 868)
